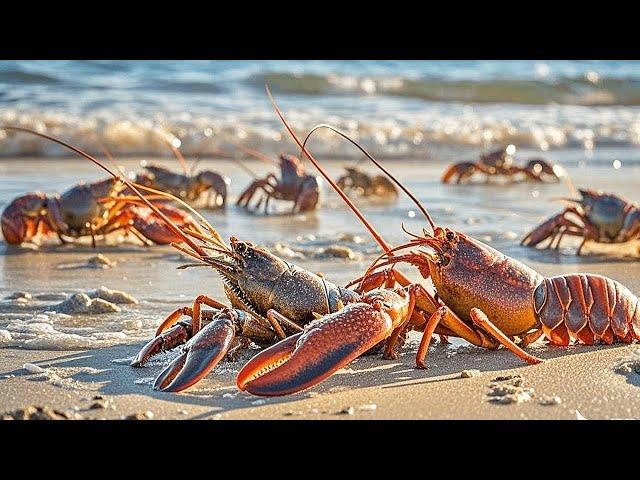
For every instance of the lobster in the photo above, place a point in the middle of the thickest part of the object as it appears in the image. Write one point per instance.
(483, 296)
(186, 186)
(85, 210)
(293, 185)
(500, 163)
(601, 217)
(368, 186)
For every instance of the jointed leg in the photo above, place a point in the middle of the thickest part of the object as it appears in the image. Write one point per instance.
(276, 318)
(481, 320)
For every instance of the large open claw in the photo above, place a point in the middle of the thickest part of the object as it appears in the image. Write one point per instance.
(201, 354)
(327, 344)
(164, 341)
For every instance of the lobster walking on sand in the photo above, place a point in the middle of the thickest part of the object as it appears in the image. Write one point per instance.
(187, 186)
(360, 183)
(92, 209)
(483, 297)
(294, 185)
(595, 216)
(499, 163)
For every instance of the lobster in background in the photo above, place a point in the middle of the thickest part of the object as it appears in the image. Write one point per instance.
(483, 296)
(91, 209)
(597, 216)
(360, 183)
(500, 163)
(187, 186)
(294, 184)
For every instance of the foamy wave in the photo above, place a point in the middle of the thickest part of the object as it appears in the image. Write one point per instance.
(405, 135)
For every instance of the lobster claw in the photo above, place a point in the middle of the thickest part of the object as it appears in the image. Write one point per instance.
(201, 354)
(161, 343)
(305, 359)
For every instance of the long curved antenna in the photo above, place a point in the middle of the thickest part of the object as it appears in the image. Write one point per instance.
(176, 153)
(223, 154)
(377, 164)
(251, 152)
(172, 226)
(385, 246)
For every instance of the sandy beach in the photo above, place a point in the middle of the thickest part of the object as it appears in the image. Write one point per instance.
(84, 356)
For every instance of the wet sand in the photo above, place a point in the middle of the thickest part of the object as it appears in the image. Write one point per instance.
(584, 378)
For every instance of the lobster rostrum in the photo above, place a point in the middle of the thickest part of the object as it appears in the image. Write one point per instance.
(92, 209)
(483, 296)
(595, 216)
(499, 163)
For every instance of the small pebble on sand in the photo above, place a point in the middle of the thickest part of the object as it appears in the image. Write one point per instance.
(548, 400)
(347, 411)
(368, 407)
(113, 296)
(19, 296)
(509, 389)
(34, 412)
(148, 415)
(469, 373)
(82, 303)
(100, 261)
(31, 368)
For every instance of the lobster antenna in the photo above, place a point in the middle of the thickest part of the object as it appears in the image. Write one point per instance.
(224, 154)
(176, 153)
(251, 152)
(377, 164)
(172, 226)
(338, 190)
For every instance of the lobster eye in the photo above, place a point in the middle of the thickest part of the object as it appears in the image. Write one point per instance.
(451, 236)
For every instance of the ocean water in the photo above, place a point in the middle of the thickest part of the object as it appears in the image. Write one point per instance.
(399, 109)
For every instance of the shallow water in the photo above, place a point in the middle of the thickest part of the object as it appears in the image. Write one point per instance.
(497, 214)
(395, 108)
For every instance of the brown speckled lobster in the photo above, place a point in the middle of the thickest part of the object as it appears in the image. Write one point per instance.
(595, 216)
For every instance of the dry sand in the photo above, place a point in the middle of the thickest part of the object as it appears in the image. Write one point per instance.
(584, 378)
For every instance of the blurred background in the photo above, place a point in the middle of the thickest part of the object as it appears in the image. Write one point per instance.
(399, 109)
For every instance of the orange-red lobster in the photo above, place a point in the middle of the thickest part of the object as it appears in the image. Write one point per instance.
(294, 184)
(500, 163)
(483, 296)
(85, 210)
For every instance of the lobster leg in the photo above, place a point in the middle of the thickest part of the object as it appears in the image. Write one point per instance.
(551, 227)
(481, 320)
(276, 318)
